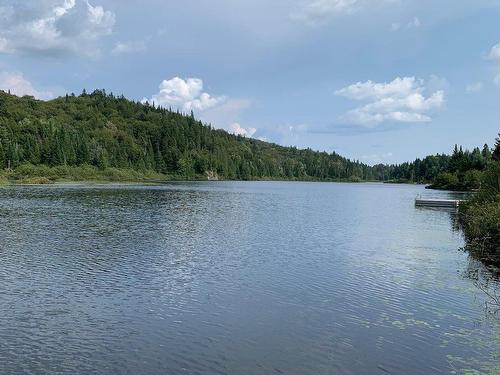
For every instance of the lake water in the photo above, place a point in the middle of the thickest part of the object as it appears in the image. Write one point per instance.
(237, 278)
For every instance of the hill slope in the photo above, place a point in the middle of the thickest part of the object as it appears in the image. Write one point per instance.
(103, 131)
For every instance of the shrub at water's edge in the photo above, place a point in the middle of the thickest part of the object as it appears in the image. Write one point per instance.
(3, 180)
(480, 217)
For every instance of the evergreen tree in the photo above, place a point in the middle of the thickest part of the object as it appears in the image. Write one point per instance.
(496, 151)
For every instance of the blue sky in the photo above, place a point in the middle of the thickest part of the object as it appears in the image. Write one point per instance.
(374, 80)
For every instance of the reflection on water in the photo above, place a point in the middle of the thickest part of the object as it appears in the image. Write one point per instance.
(236, 278)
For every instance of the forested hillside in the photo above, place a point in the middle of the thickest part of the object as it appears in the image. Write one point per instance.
(104, 131)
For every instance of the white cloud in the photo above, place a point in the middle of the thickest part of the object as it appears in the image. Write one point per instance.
(495, 52)
(314, 12)
(474, 87)
(237, 129)
(318, 10)
(20, 86)
(413, 24)
(53, 27)
(372, 90)
(286, 134)
(227, 116)
(4, 46)
(186, 95)
(226, 113)
(121, 48)
(401, 100)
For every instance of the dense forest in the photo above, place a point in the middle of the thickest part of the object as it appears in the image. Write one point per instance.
(102, 135)
(103, 131)
(461, 170)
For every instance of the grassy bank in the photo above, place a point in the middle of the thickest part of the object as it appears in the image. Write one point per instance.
(30, 174)
(42, 174)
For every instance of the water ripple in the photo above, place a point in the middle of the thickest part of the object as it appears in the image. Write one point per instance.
(235, 278)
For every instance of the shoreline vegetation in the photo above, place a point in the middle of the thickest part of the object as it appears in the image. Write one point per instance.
(100, 137)
(479, 217)
(28, 174)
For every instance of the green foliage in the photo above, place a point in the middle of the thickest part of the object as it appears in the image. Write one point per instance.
(99, 132)
(469, 180)
(496, 151)
(480, 217)
(460, 171)
(472, 179)
(446, 181)
(28, 174)
(420, 171)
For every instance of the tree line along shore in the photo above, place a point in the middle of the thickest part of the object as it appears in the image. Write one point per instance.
(102, 136)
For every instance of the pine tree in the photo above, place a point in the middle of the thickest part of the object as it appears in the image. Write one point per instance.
(496, 151)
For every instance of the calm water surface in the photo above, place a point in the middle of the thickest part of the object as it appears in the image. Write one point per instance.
(236, 278)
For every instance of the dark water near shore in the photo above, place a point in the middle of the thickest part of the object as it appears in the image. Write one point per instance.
(237, 278)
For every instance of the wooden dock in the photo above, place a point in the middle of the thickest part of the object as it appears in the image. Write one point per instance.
(447, 203)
